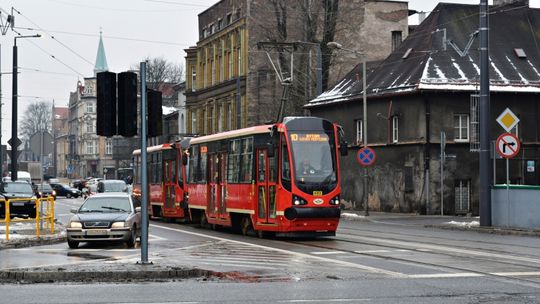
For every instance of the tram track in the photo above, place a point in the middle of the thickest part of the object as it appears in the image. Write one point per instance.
(468, 272)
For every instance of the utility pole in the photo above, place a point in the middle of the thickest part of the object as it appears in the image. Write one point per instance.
(485, 187)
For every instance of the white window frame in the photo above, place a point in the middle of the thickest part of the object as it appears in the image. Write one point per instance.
(109, 147)
(395, 129)
(90, 147)
(90, 127)
(359, 131)
(458, 136)
(90, 107)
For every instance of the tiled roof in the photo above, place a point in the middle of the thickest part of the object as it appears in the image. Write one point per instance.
(434, 65)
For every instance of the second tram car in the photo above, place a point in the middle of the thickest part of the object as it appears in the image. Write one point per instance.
(166, 181)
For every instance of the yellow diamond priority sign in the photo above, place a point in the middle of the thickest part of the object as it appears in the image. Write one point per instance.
(508, 120)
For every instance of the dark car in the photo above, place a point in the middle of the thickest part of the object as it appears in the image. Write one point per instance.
(24, 200)
(65, 190)
(44, 190)
(78, 184)
(105, 217)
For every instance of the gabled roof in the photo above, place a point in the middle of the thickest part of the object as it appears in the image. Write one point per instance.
(61, 113)
(430, 65)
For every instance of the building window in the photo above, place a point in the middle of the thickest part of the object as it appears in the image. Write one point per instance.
(395, 128)
(89, 107)
(220, 24)
(194, 122)
(109, 147)
(396, 39)
(229, 18)
(90, 147)
(229, 117)
(240, 69)
(461, 127)
(193, 78)
(90, 127)
(359, 132)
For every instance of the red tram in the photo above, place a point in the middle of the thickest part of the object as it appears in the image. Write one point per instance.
(166, 181)
(281, 179)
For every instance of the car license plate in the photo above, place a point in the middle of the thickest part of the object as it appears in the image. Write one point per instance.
(96, 232)
(17, 204)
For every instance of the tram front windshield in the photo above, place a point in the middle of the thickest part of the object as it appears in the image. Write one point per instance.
(314, 160)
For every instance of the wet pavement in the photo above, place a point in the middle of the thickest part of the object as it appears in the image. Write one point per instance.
(181, 264)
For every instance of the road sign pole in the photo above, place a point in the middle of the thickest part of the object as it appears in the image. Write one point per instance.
(508, 192)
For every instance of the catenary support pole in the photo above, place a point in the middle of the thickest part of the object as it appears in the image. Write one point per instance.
(144, 177)
(485, 170)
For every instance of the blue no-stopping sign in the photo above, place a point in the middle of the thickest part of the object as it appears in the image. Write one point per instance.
(366, 156)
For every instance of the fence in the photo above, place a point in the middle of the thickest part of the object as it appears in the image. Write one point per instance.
(47, 216)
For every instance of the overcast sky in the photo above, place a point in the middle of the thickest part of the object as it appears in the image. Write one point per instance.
(132, 29)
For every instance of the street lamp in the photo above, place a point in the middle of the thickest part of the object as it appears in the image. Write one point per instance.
(14, 141)
(338, 46)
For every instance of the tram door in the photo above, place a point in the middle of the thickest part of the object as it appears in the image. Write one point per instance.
(217, 187)
(266, 187)
(169, 194)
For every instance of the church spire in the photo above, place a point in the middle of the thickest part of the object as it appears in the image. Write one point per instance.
(101, 60)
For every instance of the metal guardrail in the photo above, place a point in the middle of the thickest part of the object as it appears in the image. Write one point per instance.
(47, 216)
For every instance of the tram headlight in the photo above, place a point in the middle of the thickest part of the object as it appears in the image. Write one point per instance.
(297, 201)
(335, 201)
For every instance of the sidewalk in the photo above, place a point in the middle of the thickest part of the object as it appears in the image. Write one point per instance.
(171, 267)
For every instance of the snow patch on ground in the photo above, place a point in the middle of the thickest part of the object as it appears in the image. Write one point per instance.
(352, 216)
(464, 224)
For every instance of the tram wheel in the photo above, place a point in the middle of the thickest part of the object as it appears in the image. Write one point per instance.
(203, 220)
(246, 226)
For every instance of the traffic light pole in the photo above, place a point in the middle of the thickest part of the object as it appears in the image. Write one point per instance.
(144, 177)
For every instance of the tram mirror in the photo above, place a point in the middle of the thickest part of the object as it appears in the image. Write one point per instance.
(184, 159)
(271, 148)
(343, 148)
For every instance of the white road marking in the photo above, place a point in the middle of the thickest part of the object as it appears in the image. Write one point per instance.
(327, 252)
(517, 274)
(372, 251)
(424, 247)
(304, 255)
(445, 275)
(325, 301)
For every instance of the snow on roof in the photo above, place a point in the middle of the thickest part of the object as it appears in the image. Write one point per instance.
(432, 65)
(168, 110)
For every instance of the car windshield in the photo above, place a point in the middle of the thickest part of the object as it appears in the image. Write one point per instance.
(18, 187)
(45, 187)
(114, 187)
(106, 204)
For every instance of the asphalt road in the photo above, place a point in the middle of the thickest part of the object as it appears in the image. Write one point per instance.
(386, 260)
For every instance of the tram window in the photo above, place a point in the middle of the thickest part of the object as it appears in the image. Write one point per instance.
(285, 168)
(273, 166)
(202, 168)
(247, 160)
(233, 161)
(193, 164)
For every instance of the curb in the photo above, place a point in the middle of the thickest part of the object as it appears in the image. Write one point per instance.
(21, 243)
(489, 230)
(59, 275)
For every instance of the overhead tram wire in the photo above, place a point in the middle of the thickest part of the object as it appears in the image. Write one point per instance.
(52, 37)
(109, 37)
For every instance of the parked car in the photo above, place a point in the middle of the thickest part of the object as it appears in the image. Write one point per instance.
(105, 217)
(111, 185)
(44, 190)
(18, 190)
(65, 190)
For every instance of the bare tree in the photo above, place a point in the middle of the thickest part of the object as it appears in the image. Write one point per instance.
(36, 118)
(159, 71)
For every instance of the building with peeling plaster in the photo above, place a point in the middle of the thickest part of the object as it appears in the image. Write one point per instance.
(429, 85)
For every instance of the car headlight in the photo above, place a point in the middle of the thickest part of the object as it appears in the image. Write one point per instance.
(54, 192)
(75, 225)
(118, 225)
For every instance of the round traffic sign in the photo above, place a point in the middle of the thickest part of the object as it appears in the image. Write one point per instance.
(507, 145)
(366, 156)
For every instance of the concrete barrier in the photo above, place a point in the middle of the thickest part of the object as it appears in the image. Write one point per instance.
(515, 206)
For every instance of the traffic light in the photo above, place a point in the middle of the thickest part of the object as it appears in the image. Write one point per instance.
(106, 104)
(127, 104)
(155, 121)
